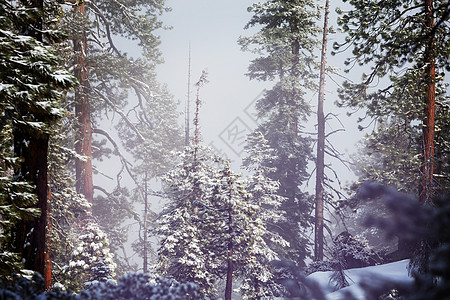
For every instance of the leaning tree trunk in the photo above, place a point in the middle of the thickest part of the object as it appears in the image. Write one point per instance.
(83, 143)
(426, 192)
(320, 164)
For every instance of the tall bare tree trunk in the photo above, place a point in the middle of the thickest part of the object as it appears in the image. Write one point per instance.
(83, 146)
(188, 102)
(426, 192)
(320, 164)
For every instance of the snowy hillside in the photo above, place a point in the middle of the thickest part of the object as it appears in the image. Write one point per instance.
(393, 272)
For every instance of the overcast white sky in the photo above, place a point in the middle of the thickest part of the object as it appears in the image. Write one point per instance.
(212, 28)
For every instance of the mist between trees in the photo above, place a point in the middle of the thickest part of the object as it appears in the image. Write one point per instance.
(105, 194)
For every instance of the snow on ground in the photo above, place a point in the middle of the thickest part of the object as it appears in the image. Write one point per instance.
(393, 272)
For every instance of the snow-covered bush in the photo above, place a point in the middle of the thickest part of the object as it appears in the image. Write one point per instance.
(296, 285)
(347, 252)
(353, 251)
(319, 266)
(133, 286)
(91, 260)
(137, 286)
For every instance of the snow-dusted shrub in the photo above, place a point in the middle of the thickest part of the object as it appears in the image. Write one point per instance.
(138, 286)
(320, 266)
(32, 289)
(353, 251)
(133, 286)
(296, 285)
(91, 259)
(347, 252)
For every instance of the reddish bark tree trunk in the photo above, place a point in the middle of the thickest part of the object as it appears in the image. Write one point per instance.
(31, 239)
(429, 118)
(83, 146)
(320, 164)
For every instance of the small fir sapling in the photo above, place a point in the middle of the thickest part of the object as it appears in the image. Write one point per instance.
(91, 259)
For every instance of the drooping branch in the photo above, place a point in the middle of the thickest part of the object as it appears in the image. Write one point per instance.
(106, 23)
(124, 161)
(121, 113)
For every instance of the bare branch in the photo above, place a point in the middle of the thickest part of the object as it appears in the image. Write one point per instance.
(104, 191)
(335, 116)
(333, 132)
(116, 109)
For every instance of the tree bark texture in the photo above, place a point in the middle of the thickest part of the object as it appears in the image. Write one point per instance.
(31, 234)
(83, 143)
(320, 164)
(426, 192)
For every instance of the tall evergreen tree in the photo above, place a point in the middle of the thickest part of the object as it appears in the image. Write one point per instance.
(407, 51)
(83, 136)
(116, 79)
(106, 73)
(32, 87)
(260, 279)
(182, 253)
(285, 43)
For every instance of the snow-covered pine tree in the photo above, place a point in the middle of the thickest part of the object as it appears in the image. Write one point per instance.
(80, 252)
(31, 89)
(230, 224)
(260, 278)
(66, 206)
(285, 43)
(91, 260)
(182, 253)
(211, 227)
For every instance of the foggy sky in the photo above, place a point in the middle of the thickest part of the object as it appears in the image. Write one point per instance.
(212, 28)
